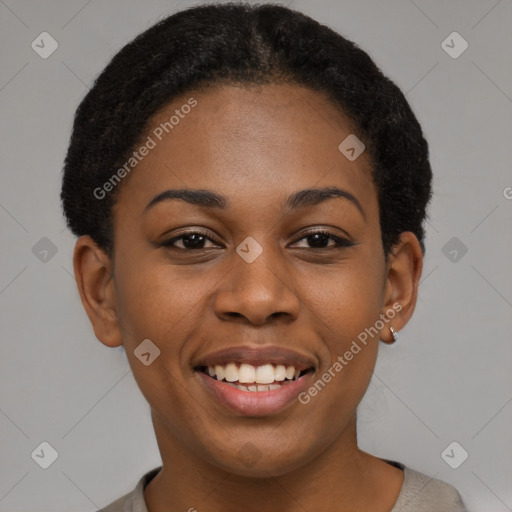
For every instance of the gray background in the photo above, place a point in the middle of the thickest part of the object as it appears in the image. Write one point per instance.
(447, 380)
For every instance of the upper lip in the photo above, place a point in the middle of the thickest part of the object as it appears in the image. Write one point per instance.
(257, 356)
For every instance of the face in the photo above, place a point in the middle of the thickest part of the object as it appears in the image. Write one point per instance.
(257, 283)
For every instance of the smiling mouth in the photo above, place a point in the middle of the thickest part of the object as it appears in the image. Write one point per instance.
(250, 378)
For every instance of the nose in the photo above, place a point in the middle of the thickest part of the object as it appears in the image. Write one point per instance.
(257, 292)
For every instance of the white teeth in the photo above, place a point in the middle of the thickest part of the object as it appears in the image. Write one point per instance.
(259, 387)
(262, 375)
(231, 373)
(280, 373)
(246, 373)
(265, 374)
(219, 371)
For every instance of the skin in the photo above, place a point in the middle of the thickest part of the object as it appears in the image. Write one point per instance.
(256, 146)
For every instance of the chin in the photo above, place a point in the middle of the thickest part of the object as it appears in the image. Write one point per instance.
(260, 460)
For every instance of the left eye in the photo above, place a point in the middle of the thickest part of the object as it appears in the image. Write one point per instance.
(318, 239)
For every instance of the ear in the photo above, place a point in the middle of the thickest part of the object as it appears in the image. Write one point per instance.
(405, 263)
(93, 274)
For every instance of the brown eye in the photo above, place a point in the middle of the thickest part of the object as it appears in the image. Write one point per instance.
(190, 240)
(320, 240)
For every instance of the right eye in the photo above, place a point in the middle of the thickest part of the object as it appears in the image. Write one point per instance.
(190, 240)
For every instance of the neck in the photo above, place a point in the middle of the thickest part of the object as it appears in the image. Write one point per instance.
(342, 478)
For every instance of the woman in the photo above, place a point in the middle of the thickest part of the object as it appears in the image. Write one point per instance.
(249, 192)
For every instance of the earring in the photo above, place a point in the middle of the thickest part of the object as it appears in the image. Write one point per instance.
(394, 333)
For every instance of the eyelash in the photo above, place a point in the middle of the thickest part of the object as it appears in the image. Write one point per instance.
(340, 241)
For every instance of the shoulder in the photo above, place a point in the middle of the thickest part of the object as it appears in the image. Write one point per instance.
(134, 500)
(119, 505)
(422, 493)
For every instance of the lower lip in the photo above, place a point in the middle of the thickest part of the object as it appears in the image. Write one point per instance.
(255, 403)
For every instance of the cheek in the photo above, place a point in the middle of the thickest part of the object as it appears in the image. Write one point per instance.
(346, 307)
(340, 384)
(346, 300)
(160, 305)
(156, 302)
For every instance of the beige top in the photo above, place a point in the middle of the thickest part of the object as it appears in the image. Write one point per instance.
(419, 493)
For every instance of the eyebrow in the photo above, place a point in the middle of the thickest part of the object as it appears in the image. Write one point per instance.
(300, 199)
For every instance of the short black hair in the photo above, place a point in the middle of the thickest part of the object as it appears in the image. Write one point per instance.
(238, 43)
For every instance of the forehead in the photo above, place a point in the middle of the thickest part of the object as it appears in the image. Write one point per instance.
(255, 144)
